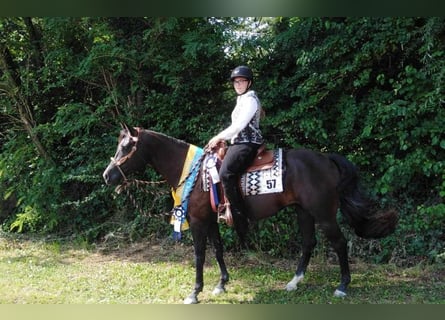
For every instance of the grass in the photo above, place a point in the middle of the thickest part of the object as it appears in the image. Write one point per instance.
(47, 272)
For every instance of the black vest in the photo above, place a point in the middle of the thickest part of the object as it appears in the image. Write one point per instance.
(251, 133)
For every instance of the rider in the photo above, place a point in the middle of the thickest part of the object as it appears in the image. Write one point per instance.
(245, 137)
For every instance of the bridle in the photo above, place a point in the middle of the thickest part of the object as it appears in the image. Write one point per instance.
(122, 160)
(126, 183)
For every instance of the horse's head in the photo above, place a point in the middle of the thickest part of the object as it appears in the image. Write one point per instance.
(128, 158)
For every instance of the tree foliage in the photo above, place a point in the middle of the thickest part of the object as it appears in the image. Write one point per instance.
(369, 88)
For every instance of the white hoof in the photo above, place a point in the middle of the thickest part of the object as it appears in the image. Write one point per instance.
(190, 300)
(292, 285)
(218, 291)
(339, 294)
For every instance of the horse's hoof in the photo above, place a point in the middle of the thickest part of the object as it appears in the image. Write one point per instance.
(191, 300)
(339, 294)
(218, 291)
(291, 287)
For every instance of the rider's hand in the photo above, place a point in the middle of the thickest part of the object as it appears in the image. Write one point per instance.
(213, 142)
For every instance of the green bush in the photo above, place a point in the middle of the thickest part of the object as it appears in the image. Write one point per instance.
(369, 88)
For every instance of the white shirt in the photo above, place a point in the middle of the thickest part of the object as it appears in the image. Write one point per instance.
(245, 109)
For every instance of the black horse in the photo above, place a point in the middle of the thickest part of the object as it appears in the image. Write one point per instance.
(316, 184)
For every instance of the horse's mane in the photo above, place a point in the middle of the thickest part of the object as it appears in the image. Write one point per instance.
(176, 141)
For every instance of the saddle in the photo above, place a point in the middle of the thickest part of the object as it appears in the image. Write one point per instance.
(264, 159)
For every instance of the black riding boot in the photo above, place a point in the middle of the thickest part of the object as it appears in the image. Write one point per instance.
(236, 161)
(238, 210)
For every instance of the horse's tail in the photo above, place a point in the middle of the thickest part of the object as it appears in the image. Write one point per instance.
(359, 211)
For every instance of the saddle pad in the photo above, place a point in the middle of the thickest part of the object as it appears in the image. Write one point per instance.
(266, 180)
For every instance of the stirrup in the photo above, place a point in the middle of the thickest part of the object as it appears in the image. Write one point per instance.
(225, 214)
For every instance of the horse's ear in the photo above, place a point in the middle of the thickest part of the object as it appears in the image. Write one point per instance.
(133, 132)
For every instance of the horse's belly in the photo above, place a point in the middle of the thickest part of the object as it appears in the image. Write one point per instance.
(264, 206)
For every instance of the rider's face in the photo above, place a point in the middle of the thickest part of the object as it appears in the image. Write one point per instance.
(240, 84)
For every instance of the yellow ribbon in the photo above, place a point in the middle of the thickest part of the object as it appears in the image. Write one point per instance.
(178, 193)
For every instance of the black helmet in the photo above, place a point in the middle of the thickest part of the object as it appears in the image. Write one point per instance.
(242, 71)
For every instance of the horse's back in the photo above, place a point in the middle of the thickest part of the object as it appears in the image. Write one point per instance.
(311, 162)
(310, 175)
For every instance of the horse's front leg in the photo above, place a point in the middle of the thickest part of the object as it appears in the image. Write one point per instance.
(215, 237)
(199, 243)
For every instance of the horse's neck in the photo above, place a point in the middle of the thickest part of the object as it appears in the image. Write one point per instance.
(165, 154)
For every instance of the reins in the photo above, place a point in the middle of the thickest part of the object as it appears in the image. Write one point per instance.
(138, 183)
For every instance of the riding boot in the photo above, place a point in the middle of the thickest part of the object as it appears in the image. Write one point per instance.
(238, 210)
(236, 161)
(241, 225)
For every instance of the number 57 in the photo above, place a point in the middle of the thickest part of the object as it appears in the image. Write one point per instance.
(271, 184)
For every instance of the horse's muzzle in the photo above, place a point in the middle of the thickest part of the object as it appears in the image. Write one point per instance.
(106, 177)
(112, 175)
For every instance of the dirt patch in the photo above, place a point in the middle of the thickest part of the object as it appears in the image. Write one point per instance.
(154, 251)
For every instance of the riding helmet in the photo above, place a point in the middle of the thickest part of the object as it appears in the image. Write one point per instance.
(242, 71)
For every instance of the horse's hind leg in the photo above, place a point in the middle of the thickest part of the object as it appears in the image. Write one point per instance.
(307, 228)
(338, 242)
(215, 237)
